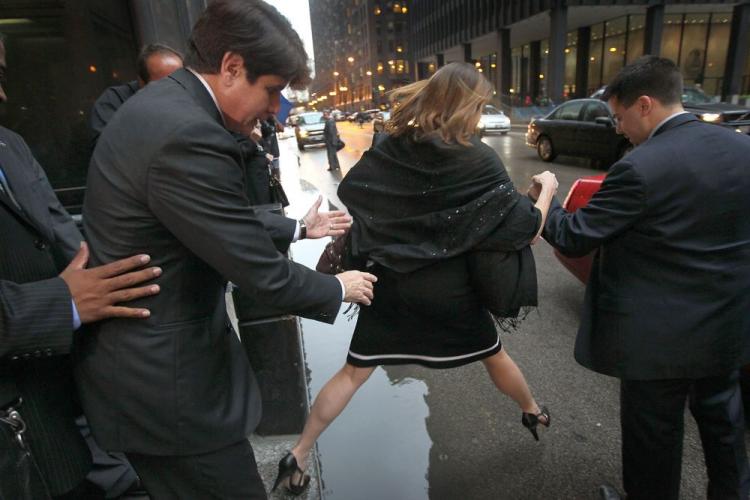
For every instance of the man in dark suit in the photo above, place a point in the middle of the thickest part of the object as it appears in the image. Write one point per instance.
(331, 137)
(176, 392)
(154, 62)
(666, 307)
(46, 293)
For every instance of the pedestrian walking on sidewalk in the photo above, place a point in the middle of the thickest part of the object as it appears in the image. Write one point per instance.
(331, 137)
(422, 200)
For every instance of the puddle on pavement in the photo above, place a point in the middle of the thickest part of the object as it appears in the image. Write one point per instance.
(379, 446)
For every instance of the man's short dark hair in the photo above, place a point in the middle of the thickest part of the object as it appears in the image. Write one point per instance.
(148, 51)
(652, 76)
(254, 30)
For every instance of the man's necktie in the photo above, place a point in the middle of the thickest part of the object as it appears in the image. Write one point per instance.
(5, 189)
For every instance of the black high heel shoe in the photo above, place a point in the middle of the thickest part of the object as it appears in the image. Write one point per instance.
(531, 420)
(287, 467)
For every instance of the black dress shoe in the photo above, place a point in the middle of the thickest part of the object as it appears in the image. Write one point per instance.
(607, 492)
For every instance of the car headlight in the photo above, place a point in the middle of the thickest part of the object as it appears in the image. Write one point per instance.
(481, 124)
(710, 117)
(303, 133)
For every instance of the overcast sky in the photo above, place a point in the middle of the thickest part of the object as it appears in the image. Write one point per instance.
(298, 13)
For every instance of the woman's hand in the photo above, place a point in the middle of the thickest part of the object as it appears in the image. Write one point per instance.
(539, 182)
(542, 190)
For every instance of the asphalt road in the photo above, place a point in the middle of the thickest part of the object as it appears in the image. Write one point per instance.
(415, 433)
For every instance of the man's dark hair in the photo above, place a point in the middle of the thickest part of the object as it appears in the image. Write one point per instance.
(254, 30)
(148, 51)
(653, 76)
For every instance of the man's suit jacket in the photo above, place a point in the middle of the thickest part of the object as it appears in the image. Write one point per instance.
(669, 293)
(166, 179)
(36, 320)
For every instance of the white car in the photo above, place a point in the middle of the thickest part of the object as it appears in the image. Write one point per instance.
(493, 120)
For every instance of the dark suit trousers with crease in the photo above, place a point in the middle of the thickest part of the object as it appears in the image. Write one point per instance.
(652, 418)
(226, 474)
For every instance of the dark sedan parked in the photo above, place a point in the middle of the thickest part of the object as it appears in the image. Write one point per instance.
(581, 127)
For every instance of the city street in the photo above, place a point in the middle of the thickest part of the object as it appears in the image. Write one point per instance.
(415, 433)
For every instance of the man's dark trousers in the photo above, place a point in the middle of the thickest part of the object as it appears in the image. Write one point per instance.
(226, 474)
(651, 413)
(333, 158)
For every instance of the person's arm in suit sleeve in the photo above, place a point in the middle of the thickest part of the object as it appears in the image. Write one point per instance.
(35, 316)
(195, 188)
(619, 203)
(67, 236)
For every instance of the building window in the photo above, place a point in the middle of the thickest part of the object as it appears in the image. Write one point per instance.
(636, 36)
(571, 52)
(614, 48)
(716, 53)
(670, 37)
(58, 73)
(595, 57)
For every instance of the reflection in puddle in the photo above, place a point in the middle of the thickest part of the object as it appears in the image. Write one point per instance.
(379, 446)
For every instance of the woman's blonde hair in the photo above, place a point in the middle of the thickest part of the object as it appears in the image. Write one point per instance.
(448, 104)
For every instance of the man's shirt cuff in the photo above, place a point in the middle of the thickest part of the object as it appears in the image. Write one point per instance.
(76, 316)
(343, 288)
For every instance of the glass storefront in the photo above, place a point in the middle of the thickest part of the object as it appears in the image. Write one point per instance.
(596, 54)
(614, 47)
(487, 65)
(571, 53)
(60, 59)
(698, 44)
(635, 38)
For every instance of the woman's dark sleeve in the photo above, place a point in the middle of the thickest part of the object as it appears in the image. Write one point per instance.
(517, 230)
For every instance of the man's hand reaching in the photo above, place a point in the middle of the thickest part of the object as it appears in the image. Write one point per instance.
(358, 286)
(321, 224)
(97, 291)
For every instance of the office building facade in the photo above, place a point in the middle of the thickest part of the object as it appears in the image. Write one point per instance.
(535, 51)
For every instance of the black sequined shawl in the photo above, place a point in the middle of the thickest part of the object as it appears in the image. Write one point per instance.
(416, 202)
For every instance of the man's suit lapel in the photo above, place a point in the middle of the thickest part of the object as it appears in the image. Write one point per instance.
(32, 213)
(198, 91)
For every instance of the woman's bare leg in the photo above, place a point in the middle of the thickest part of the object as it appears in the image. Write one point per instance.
(330, 402)
(508, 378)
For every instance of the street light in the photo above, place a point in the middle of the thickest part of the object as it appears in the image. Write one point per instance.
(350, 59)
(335, 73)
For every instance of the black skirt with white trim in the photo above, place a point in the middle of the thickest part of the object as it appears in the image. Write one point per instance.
(430, 317)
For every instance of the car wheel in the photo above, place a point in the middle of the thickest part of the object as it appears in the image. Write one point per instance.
(300, 146)
(504, 132)
(544, 148)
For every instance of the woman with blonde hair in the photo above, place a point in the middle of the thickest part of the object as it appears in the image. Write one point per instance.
(424, 200)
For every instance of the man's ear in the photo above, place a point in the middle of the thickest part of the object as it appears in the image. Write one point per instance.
(232, 66)
(645, 104)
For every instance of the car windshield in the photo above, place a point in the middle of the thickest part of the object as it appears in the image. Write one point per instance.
(694, 96)
(491, 110)
(310, 118)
